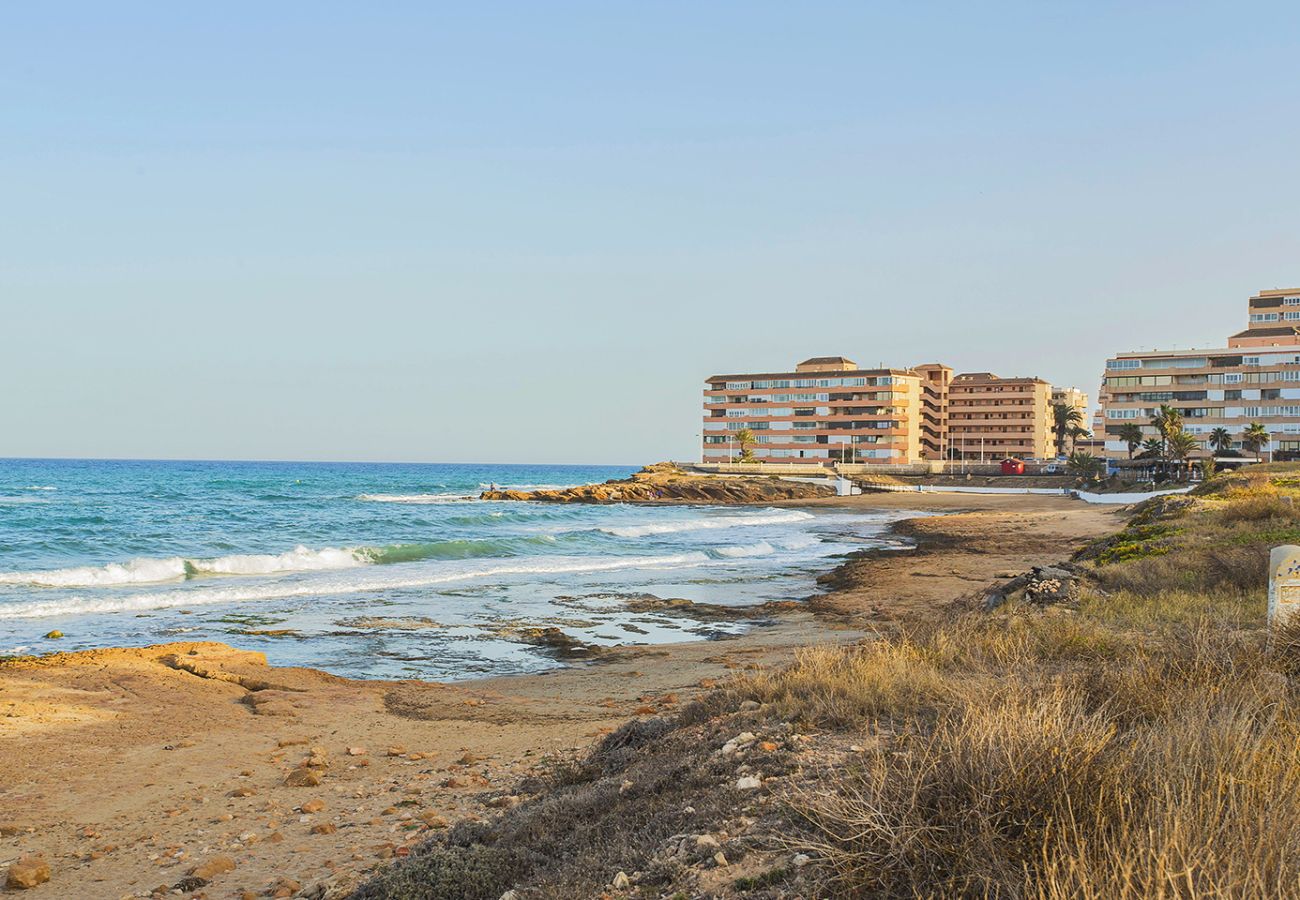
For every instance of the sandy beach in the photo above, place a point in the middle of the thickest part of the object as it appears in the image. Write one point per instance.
(197, 768)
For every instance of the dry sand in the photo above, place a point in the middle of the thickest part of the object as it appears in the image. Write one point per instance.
(126, 769)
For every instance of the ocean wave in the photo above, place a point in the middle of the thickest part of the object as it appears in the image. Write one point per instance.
(15, 501)
(779, 518)
(369, 580)
(40, 487)
(300, 559)
(176, 568)
(762, 548)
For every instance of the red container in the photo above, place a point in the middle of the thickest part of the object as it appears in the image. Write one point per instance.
(1013, 466)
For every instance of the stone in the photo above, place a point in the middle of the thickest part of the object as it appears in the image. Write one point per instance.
(395, 751)
(800, 860)
(433, 820)
(53, 635)
(313, 806)
(9, 829)
(356, 751)
(707, 842)
(509, 895)
(720, 859)
(621, 882)
(749, 706)
(324, 828)
(27, 872)
(303, 777)
(748, 783)
(242, 792)
(216, 865)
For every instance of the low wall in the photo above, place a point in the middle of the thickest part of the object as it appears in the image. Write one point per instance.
(1089, 497)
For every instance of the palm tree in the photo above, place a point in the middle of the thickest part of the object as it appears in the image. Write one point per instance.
(1152, 447)
(1085, 465)
(1255, 438)
(1182, 445)
(1131, 434)
(1064, 417)
(1166, 421)
(1076, 433)
(1221, 440)
(745, 438)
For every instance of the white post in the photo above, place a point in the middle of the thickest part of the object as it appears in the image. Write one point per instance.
(1283, 584)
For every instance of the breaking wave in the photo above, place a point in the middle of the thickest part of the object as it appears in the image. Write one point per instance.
(340, 583)
(777, 518)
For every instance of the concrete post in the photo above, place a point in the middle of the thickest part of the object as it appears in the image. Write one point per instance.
(1283, 584)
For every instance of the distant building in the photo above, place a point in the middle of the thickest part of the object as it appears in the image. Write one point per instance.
(1256, 378)
(1071, 396)
(829, 410)
(990, 417)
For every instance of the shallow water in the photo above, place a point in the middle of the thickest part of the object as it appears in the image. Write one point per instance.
(377, 570)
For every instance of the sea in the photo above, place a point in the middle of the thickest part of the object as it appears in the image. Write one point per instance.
(381, 570)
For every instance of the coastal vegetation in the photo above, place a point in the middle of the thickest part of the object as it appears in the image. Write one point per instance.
(1120, 725)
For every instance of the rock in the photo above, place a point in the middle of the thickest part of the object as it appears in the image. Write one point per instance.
(707, 842)
(395, 751)
(242, 792)
(303, 777)
(800, 860)
(317, 758)
(749, 706)
(9, 829)
(433, 820)
(356, 751)
(189, 883)
(324, 828)
(509, 895)
(621, 882)
(505, 802)
(27, 872)
(748, 783)
(720, 859)
(313, 806)
(739, 742)
(217, 865)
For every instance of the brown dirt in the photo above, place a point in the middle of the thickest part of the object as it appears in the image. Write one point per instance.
(127, 768)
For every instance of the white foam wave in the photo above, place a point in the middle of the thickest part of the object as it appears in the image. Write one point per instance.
(415, 498)
(762, 548)
(176, 568)
(381, 578)
(779, 518)
(14, 501)
(40, 487)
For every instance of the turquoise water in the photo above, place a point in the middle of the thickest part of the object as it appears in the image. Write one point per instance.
(376, 570)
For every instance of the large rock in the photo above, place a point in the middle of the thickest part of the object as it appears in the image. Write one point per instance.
(661, 483)
(27, 872)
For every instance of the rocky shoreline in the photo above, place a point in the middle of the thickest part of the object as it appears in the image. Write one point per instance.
(265, 781)
(666, 483)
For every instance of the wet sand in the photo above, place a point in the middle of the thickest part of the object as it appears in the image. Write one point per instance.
(127, 769)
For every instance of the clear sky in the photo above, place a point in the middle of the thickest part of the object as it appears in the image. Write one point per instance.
(527, 232)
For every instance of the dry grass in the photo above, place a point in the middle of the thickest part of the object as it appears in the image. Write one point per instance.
(1146, 744)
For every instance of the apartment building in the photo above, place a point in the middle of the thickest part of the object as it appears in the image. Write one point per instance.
(829, 410)
(825, 411)
(1071, 396)
(990, 417)
(1256, 378)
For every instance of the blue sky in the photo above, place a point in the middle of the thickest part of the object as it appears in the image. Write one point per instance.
(526, 232)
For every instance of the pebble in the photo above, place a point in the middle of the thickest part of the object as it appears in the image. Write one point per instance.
(800, 860)
(621, 882)
(313, 806)
(356, 751)
(303, 777)
(324, 828)
(720, 859)
(748, 783)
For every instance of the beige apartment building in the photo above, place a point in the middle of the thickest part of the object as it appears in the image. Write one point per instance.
(828, 410)
(990, 417)
(1255, 378)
